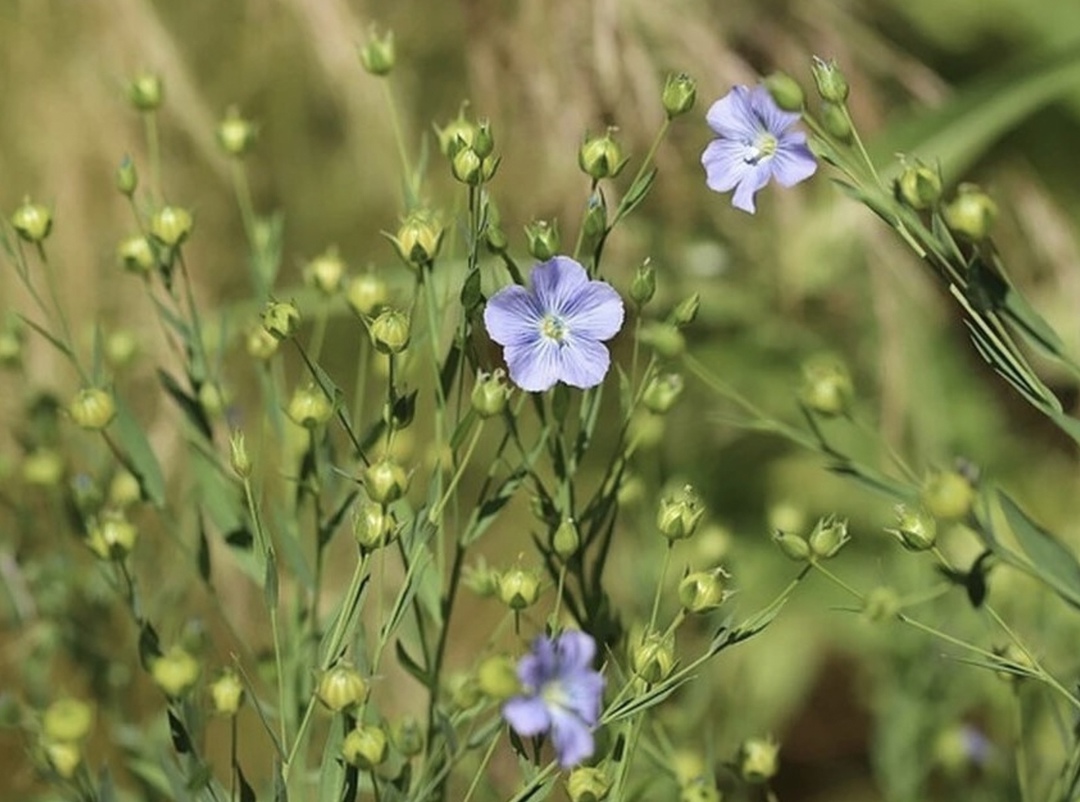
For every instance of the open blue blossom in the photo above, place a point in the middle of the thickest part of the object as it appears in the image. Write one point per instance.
(555, 331)
(755, 145)
(562, 695)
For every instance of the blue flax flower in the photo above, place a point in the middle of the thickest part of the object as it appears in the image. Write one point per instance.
(755, 144)
(562, 695)
(555, 331)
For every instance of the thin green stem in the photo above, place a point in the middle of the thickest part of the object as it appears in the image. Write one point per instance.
(399, 141)
(153, 147)
(480, 769)
(660, 587)
(436, 511)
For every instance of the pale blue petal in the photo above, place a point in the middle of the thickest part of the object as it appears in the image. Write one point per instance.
(535, 366)
(512, 316)
(527, 715)
(539, 665)
(725, 164)
(582, 363)
(775, 119)
(595, 312)
(755, 179)
(584, 694)
(556, 282)
(571, 737)
(793, 162)
(575, 650)
(732, 116)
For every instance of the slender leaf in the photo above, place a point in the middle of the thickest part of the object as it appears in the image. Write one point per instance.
(1053, 562)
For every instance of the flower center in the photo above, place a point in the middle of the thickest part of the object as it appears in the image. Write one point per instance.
(763, 147)
(554, 328)
(554, 695)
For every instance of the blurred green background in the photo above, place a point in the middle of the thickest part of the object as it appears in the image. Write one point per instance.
(991, 88)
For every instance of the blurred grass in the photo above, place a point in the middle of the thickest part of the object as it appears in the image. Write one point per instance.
(810, 273)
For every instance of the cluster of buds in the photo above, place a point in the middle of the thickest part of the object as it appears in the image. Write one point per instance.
(833, 88)
(828, 536)
(470, 148)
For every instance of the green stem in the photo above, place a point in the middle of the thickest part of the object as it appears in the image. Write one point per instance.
(153, 147)
(480, 769)
(436, 511)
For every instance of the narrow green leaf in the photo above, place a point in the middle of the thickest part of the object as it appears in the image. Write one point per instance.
(143, 462)
(1054, 563)
(56, 343)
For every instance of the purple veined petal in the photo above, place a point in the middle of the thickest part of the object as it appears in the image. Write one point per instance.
(556, 282)
(582, 363)
(584, 694)
(512, 317)
(775, 119)
(793, 162)
(754, 180)
(535, 366)
(732, 115)
(725, 164)
(527, 715)
(539, 665)
(571, 737)
(575, 649)
(595, 312)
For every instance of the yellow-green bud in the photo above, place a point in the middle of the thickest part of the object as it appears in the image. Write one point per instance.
(703, 591)
(385, 481)
(146, 92)
(325, 272)
(919, 186)
(947, 495)
(971, 213)
(689, 768)
(373, 526)
(664, 338)
(124, 490)
(759, 759)
(227, 693)
(785, 91)
(171, 225)
(663, 392)
(67, 720)
(11, 344)
(127, 177)
(1015, 664)
(457, 134)
(238, 456)
(390, 331)
(834, 120)
(378, 55)
(686, 312)
(309, 406)
(831, 83)
(32, 221)
(679, 94)
(826, 386)
(588, 784)
(916, 529)
(594, 223)
(703, 789)
(92, 408)
(175, 672)
(235, 134)
(261, 344)
(567, 539)
(880, 604)
(341, 688)
(212, 399)
(652, 656)
(464, 692)
(643, 287)
(542, 239)
(64, 757)
(365, 747)
(407, 736)
(481, 580)
(467, 167)
(43, 467)
(680, 513)
(281, 319)
(519, 588)
(828, 537)
(483, 144)
(136, 255)
(112, 537)
(601, 157)
(793, 546)
(366, 293)
(120, 348)
(419, 238)
(497, 678)
(490, 393)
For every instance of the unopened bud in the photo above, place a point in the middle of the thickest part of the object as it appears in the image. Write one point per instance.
(235, 134)
(971, 213)
(919, 186)
(457, 134)
(325, 272)
(481, 579)
(916, 529)
(385, 481)
(785, 91)
(831, 83)
(390, 331)
(594, 224)
(467, 167)
(68, 720)
(703, 591)
(1015, 664)
(366, 293)
(92, 408)
(127, 177)
(32, 221)
(759, 760)
(793, 546)
(588, 784)
(146, 92)
(947, 495)
(826, 386)
(120, 348)
(835, 121)
(341, 688)
(827, 538)
(377, 55)
(497, 678)
(678, 95)
(643, 287)
(483, 144)
(374, 526)
(227, 693)
(418, 239)
(281, 319)
(490, 393)
(567, 539)
(542, 239)
(64, 757)
(238, 456)
(680, 513)
(112, 537)
(365, 747)
(175, 672)
(519, 588)
(171, 225)
(261, 344)
(880, 604)
(686, 312)
(663, 392)
(124, 490)
(601, 157)
(407, 736)
(43, 467)
(652, 656)
(309, 407)
(136, 255)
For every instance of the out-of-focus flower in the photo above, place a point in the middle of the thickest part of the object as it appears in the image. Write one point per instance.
(755, 144)
(562, 695)
(555, 331)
